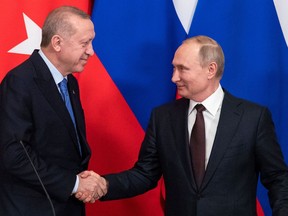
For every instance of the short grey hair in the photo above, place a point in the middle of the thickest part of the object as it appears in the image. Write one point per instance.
(210, 51)
(58, 22)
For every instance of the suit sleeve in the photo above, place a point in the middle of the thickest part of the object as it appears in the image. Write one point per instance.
(145, 173)
(273, 170)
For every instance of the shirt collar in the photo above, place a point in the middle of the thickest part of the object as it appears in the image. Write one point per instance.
(57, 76)
(212, 103)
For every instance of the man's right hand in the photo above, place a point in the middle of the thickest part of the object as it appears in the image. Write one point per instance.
(91, 187)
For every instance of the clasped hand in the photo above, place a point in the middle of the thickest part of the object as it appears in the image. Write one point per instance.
(91, 187)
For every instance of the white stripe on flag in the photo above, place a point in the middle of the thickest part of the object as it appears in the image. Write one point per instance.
(282, 9)
(185, 11)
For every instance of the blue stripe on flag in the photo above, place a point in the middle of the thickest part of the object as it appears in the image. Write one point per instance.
(135, 41)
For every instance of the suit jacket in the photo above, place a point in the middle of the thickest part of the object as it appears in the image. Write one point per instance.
(245, 145)
(32, 110)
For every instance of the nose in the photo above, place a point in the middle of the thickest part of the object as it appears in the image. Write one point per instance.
(175, 76)
(90, 50)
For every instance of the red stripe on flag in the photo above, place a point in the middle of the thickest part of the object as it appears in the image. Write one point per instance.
(115, 136)
(259, 209)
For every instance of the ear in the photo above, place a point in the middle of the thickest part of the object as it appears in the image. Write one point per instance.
(212, 69)
(56, 42)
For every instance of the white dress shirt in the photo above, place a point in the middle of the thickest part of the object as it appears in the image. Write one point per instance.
(211, 116)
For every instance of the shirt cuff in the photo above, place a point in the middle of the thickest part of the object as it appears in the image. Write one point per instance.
(76, 185)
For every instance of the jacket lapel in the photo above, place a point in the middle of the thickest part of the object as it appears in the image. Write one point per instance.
(179, 122)
(229, 120)
(46, 85)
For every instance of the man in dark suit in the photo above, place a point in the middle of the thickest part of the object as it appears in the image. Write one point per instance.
(239, 145)
(33, 114)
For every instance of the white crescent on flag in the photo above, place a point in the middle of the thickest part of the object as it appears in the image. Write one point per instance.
(34, 36)
(282, 9)
(185, 11)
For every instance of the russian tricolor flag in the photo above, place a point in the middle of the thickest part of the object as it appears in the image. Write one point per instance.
(135, 42)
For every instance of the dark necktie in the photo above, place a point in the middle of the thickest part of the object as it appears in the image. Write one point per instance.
(66, 99)
(197, 145)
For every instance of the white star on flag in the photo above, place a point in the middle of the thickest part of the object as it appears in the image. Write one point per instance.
(34, 36)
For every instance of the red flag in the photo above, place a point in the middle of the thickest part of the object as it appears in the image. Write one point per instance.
(18, 19)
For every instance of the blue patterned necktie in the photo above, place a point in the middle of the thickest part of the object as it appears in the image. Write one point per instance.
(66, 99)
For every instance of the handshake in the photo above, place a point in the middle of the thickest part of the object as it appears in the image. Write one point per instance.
(91, 187)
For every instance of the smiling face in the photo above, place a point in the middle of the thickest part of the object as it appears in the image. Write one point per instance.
(194, 80)
(74, 50)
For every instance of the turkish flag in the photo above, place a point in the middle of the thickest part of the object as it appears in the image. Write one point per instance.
(20, 18)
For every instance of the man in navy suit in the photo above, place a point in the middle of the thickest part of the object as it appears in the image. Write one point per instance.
(33, 113)
(240, 144)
